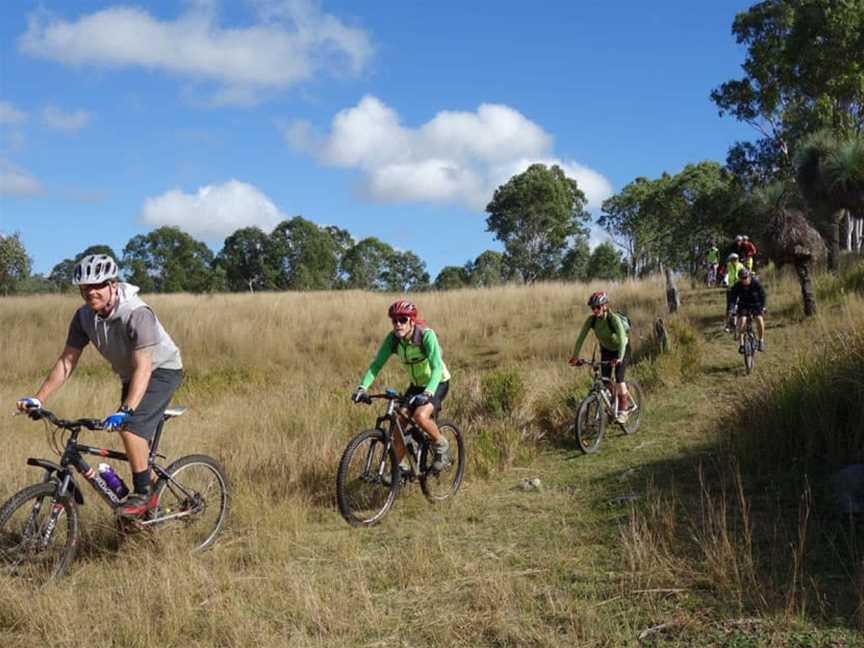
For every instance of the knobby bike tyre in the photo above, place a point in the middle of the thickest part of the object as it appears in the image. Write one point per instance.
(590, 424)
(439, 486)
(635, 416)
(362, 492)
(198, 494)
(749, 353)
(23, 520)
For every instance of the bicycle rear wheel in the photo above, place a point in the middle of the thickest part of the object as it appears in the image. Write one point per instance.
(590, 424)
(438, 486)
(362, 490)
(191, 505)
(637, 407)
(25, 521)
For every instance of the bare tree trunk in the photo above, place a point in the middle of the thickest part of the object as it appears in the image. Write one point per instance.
(834, 243)
(850, 229)
(859, 234)
(803, 270)
(673, 301)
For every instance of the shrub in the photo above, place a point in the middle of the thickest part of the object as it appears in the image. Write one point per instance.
(503, 390)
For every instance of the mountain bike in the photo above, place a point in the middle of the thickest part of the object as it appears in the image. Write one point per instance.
(369, 476)
(599, 407)
(40, 526)
(711, 277)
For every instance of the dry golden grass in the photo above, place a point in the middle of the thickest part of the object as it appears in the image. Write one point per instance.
(267, 382)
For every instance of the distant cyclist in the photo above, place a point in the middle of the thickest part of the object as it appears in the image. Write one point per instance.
(748, 298)
(614, 348)
(746, 250)
(712, 257)
(418, 349)
(126, 332)
(733, 268)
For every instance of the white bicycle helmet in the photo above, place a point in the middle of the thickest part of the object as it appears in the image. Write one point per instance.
(733, 256)
(94, 269)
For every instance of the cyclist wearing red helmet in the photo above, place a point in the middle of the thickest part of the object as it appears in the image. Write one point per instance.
(418, 349)
(611, 333)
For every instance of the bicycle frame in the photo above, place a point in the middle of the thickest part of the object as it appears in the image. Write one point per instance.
(73, 456)
(603, 387)
(393, 415)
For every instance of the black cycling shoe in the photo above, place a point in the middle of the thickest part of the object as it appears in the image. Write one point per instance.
(441, 460)
(133, 507)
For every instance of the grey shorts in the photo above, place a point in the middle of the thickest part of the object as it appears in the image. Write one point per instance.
(163, 383)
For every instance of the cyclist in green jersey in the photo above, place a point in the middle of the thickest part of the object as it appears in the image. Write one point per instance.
(614, 348)
(713, 259)
(733, 267)
(418, 349)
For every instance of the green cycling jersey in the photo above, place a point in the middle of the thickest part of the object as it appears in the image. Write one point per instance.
(713, 255)
(421, 356)
(609, 331)
(732, 270)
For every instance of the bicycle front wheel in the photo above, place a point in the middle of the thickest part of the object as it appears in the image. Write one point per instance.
(192, 502)
(637, 407)
(38, 535)
(749, 353)
(590, 424)
(368, 479)
(438, 486)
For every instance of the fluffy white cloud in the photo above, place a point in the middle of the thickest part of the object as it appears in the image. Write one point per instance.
(9, 114)
(69, 123)
(456, 157)
(214, 211)
(15, 181)
(291, 41)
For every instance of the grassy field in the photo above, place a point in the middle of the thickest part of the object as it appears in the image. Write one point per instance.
(668, 534)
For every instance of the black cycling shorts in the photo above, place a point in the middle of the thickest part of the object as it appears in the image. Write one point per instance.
(437, 398)
(163, 383)
(606, 370)
(755, 311)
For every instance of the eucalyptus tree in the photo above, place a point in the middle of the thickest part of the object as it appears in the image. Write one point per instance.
(536, 214)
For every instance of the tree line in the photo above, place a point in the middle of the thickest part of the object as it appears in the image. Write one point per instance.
(545, 239)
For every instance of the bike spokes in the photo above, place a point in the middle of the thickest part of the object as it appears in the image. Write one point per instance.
(367, 482)
(440, 485)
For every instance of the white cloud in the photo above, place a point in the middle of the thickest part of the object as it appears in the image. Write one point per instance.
(291, 41)
(68, 123)
(9, 114)
(456, 157)
(15, 181)
(214, 211)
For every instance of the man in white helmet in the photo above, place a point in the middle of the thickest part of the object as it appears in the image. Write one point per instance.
(126, 332)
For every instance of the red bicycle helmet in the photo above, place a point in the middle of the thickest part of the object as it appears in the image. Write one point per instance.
(402, 307)
(598, 299)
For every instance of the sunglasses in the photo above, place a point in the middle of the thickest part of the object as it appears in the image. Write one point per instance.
(399, 320)
(596, 308)
(99, 286)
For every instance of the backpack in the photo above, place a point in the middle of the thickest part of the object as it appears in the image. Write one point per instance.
(625, 321)
(416, 340)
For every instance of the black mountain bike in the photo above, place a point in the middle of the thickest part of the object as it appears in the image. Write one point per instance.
(598, 407)
(40, 527)
(369, 476)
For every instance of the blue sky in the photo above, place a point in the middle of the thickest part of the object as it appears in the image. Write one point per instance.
(390, 119)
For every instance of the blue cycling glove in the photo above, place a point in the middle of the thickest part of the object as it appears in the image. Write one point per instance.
(419, 400)
(117, 419)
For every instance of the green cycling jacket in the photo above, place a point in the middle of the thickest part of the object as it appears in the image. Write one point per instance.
(609, 331)
(421, 356)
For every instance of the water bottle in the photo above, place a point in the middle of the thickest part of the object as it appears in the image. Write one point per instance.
(113, 480)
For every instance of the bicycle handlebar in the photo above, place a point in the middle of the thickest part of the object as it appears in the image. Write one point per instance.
(41, 413)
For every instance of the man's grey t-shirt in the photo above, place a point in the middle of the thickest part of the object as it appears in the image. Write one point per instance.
(141, 329)
(131, 326)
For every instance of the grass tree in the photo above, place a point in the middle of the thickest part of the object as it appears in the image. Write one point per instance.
(830, 173)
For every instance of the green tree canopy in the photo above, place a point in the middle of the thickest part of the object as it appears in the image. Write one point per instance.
(802, 72)
(535, 214)
(365, 264)
(488, 269)
(605, 263)
(451, 278)
(303, 256)
(168, 260)
(14, 264)
(244, 262)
